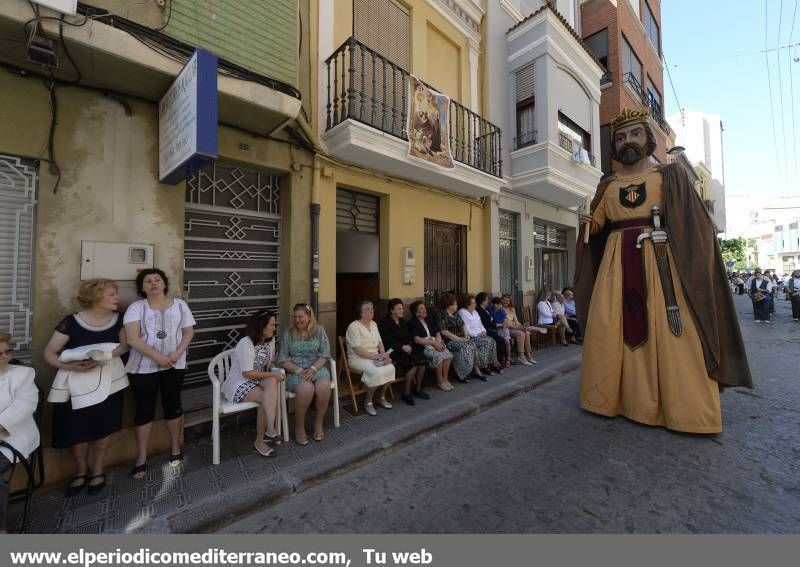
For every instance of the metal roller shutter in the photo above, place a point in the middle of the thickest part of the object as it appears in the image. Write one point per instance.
(357, 212)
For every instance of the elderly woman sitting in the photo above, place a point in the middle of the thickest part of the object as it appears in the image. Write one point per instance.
(486, 346)
(304, 351)
(548, 315)
(18, 400)
(457, 341)
(428, 337)
(366, 354)
(410, 361)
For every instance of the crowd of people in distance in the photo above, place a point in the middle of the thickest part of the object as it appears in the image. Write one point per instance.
(764, 287)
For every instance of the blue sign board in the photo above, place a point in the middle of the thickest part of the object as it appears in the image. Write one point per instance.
(187, 120)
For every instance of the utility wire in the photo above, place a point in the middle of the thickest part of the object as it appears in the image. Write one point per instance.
(769, 83)
(671, 84)
(791, 93)
(780, 97)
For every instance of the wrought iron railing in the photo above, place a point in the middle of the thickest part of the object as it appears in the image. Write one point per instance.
(648, 101)
(367, 87)
(606, 78)
(566, 142)
(525, 139)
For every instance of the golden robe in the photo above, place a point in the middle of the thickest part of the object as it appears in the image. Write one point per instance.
(663, 381)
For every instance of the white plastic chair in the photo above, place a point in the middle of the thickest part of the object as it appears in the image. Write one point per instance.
(218, 370)
(284, 395)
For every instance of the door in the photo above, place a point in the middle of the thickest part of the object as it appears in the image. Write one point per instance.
(550, 243)
(18, 182)
(509, 255)
(445, 260)
(231, 261)
(357, 254)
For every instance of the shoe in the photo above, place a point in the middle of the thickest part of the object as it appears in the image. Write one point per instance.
(176, 460)
(524, 361)
(95, 488)
(464, 380)
(565, 344)
(486, 371)
(370, 409)
(443, 387)
(273, 439)
(407, 398)
(319, 437)
(481, 377)
(507, 363)
(270, 452)
(138, 472)
(302, 441)
(384, 403)
(73, 490)
(450, 387)
(497, 369)
(422, 394)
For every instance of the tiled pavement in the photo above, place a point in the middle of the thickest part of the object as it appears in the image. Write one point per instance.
(199, 495)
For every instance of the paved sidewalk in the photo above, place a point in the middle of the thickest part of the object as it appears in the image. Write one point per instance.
(200, 497)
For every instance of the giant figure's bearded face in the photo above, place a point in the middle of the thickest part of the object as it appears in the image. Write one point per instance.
(630, 144)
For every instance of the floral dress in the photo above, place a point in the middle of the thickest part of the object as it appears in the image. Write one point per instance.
(464, 353)
(304, 352)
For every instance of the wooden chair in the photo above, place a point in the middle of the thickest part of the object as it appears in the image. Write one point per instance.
(349, 375)
(528, 319)
(284, 395)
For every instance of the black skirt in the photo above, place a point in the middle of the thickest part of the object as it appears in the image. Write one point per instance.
(405, 361)
(71, 426)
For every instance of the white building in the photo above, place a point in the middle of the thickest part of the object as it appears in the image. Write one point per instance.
(701, 135)
(544, 92)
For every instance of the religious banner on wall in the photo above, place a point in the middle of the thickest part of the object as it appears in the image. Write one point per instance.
(427, 125)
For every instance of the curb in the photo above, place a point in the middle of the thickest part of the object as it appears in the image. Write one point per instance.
(222, 509)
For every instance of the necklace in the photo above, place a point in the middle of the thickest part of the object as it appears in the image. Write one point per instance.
(162, 334)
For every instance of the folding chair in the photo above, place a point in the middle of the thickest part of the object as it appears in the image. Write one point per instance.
(284, 395)
(349, 374)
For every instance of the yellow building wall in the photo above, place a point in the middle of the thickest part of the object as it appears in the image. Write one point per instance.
(109, 191)
(404, 208)
(427, 59)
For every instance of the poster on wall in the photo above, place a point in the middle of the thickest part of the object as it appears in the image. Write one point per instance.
(427, 125)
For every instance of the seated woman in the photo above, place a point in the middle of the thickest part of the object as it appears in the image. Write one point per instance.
(457, 341)
(254, 377)
(304, 351)
(519, 332)
(548, 316)
(570, 312)
(490, 328)
(366, 354)
(428, 338)
(85, 415)
(18, 400)
(397, 338)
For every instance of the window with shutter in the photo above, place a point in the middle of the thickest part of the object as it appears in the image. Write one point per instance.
(18, 181)
(384, 26)
(525, 83)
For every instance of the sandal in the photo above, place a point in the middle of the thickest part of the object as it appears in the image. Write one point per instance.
(302, 441)
(73, 490)
(274, 439)
(176, 460)
(138, 472)
(319, 436)
(95, 488)
(270, 452)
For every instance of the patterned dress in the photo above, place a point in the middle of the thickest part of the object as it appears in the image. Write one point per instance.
(464, 353)
(304, 352)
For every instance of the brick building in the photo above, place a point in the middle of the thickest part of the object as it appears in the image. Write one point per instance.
(626, 37)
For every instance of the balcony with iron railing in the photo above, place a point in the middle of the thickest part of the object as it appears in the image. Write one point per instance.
(648, 101)
(567, 143)
(367, 88)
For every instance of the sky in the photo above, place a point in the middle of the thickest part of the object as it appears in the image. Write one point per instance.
(715, 53)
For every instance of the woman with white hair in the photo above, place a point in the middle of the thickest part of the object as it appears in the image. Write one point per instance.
(366, 354)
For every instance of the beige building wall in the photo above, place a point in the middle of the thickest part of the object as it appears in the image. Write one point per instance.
(109, 191)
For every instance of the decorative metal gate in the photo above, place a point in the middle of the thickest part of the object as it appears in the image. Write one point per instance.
(445, 259)
(231, 257)
(18, 181)
(509, 255)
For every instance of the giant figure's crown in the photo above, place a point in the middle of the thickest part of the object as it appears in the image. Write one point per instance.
(630, 116)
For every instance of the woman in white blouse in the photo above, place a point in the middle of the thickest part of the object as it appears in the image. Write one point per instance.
(159, 329)
(487, 348)
(18, 400)
(366, 354)
(547, 315)
(254, 376)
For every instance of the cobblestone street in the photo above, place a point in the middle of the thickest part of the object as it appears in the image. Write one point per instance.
(537, 463)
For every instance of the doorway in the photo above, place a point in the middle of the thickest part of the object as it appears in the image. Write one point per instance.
(445, 260)
(550, 257)
(509, 255)
(357, 254)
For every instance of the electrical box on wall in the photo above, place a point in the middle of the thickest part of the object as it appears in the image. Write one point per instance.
(114, 260)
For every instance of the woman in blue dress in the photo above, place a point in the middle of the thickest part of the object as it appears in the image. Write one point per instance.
(304, 350)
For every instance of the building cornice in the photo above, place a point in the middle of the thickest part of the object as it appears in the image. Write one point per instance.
(512, 11)
(466, 15)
